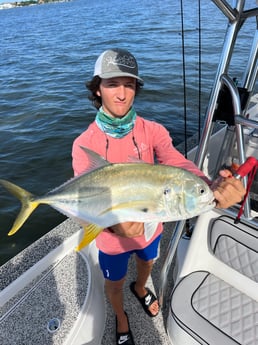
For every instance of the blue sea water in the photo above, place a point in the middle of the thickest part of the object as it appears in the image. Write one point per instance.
(48, 52)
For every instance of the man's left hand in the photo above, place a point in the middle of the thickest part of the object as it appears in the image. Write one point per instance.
(227, 190)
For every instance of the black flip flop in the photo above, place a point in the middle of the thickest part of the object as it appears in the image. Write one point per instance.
(145, 301)
(124, 338)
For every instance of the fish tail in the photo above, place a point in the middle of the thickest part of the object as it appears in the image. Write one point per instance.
(26, 199)
(91, 231)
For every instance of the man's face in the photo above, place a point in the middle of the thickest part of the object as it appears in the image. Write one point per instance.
(117, 95)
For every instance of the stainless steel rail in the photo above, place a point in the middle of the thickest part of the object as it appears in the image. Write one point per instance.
(225, 58)
(228, 11)
(239, 132)
(171, 250)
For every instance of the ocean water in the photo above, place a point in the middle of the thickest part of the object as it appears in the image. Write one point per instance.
(47, 54)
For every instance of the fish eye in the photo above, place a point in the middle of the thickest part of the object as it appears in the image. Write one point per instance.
(202, 190)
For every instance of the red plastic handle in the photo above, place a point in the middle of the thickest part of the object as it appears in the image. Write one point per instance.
(246, 167)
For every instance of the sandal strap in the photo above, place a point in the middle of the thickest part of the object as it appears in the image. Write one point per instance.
(124, 338)
(149, 298)
(145, 301)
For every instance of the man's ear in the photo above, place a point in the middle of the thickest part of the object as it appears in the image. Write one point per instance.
(98, 93)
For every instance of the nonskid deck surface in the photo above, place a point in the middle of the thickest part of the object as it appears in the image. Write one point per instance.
(35, 302)
(45, 310)
(19, 264)
(146, 330)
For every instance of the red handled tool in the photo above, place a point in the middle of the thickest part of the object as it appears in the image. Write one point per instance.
(249, 167)
(246, 167)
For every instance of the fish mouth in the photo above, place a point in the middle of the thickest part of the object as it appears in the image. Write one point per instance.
(213, 202)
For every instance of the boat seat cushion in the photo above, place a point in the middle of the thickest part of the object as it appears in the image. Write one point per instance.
(213, 312)
(236, 246)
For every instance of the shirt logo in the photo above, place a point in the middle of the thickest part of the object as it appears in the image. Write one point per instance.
(123, 339)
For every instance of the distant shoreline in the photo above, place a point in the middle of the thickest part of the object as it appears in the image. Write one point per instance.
(8, 5)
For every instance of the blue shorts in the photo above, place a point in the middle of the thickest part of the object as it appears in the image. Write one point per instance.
(114, 267)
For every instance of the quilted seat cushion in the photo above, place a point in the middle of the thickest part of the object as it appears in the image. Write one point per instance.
(236, 246)
(214, 312)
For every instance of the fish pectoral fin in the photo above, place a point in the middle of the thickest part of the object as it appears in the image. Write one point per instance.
(91, 231)
(26, 199)
(149, 230)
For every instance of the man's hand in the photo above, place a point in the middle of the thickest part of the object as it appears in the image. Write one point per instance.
(227, 190)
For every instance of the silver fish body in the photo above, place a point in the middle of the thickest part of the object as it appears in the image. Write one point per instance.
(109, 194)
(132, 192)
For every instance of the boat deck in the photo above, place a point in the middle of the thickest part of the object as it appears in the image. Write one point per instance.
(54, 296)
(58, 295)
(146, 330)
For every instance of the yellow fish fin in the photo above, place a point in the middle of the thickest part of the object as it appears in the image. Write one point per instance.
(26, 199)
(91, 231)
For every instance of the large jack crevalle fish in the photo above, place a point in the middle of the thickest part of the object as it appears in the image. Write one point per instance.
(108, 194)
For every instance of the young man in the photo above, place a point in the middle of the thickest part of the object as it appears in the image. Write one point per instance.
(116, 134)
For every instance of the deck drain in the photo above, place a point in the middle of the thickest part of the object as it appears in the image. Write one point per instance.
(53, 325)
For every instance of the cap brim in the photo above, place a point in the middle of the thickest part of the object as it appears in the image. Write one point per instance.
(122, 74)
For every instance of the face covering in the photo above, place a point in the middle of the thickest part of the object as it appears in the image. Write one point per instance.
(116, 127)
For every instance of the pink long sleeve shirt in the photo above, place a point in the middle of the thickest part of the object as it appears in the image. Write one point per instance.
(148, 138)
